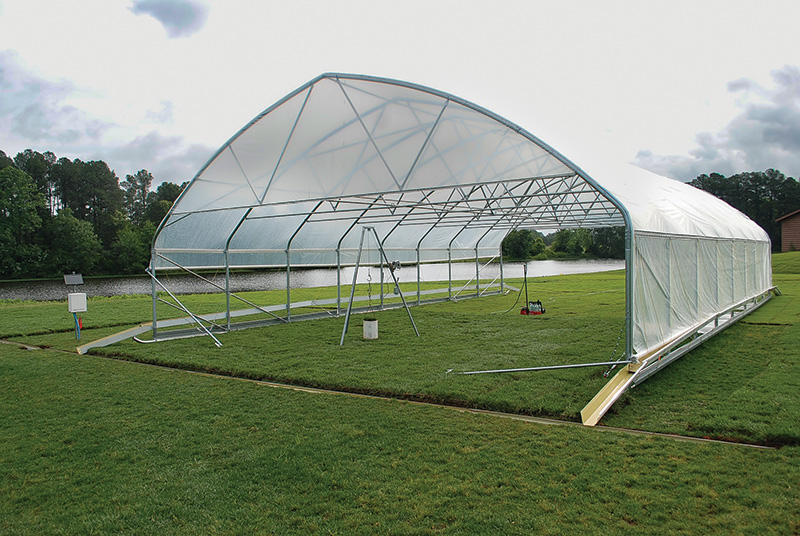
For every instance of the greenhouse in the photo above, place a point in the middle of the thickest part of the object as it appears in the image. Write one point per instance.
(430, 177)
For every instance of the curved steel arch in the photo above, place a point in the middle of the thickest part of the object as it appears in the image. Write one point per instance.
(447, 215)
(349, 146)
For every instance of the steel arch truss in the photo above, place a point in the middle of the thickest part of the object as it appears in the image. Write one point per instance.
(435, 177)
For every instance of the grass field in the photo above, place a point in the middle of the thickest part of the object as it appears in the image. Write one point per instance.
(98, 446)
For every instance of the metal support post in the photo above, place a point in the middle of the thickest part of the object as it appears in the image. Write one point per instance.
(419, 288)
(629, 268)
(227, 292)
(696, 276)
(220, 287)
(381, 264)
(449, 274)
(669, 285)
(153, 290)
(525, 282)
(187, 311)
(477, 274)
(338, 282)
(396, 282)
(502, 281)
(353, 288)
(384, 258)
(288, 288)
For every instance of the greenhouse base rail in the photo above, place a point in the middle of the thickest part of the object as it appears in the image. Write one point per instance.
(654, 360)
(328, 313)
(699, 334)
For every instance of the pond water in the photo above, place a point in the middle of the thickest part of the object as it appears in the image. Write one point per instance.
(318, 277)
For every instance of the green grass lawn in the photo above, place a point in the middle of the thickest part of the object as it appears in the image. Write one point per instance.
(95, 446)
(92, 445)
(584, 320)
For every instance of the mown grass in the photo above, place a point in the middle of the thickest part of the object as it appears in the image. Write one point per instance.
(741, 385)
(95, 446)
(98, 446)
(27, 318)
(585, 314)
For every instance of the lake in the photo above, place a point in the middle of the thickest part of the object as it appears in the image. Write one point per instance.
(317, 277)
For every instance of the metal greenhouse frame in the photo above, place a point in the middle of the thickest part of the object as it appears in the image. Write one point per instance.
(437, 178)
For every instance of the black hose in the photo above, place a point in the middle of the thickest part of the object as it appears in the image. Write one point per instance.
(515, 304)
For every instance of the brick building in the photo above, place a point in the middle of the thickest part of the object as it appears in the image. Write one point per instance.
(790, 231)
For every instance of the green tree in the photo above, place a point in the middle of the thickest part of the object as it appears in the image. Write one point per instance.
(572, 242)
(74, 246)
(104, 199)
(131, 249)
(160, 201)
(91, 191)
(39, 167)
(136, 192)
(169, 191)
(156, 210)
(560, 241)
(522, 244)
(608, 242)
(5, 161)
(538, 245)
(66, 177)
(580, 242)
(20, 220)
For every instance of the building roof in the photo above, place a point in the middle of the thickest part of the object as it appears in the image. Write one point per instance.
(787, 216)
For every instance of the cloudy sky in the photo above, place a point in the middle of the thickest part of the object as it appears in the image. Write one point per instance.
(680, 87)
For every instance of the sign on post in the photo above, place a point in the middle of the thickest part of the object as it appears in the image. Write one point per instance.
(76, 301)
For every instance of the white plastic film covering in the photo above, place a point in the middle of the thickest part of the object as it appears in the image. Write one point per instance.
(379, 154)
(681, 282)
(694, 255)
(440, 178)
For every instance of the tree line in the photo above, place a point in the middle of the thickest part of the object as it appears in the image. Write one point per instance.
(763, 196)
(60, 216)
(602, 243)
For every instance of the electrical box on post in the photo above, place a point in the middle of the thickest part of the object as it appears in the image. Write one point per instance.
(76, 302)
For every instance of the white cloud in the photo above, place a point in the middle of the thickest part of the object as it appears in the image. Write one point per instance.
(765, 134)
(592, 79)
(180, 18)
(164, 115)
(35, 109)
(168, 158)
(37, 114)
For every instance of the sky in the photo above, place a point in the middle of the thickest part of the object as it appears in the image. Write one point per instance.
(678, 87)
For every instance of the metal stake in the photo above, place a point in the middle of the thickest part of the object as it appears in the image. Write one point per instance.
(353, 288)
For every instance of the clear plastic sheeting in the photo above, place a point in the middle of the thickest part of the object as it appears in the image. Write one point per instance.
(424, 168)
(441, 179)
